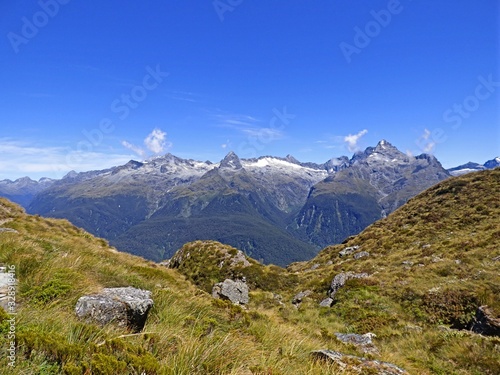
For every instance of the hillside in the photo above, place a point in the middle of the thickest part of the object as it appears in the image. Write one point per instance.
(277, 210)
(378, 181)
(431, 264)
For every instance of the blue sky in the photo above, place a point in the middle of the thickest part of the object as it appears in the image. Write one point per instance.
(89, 85)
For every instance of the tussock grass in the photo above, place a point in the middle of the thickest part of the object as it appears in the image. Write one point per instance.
(447, 238)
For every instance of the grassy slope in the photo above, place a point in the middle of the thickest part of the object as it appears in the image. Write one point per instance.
(448, 237)
(189, 333)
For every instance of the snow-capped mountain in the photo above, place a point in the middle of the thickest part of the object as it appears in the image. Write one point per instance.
(23, 189)
(474, 167)
(377, 181)
(276, 209)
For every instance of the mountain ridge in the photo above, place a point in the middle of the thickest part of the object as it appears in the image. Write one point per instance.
(266, 206)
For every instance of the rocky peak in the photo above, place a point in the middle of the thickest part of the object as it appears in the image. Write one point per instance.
(382, 153)
(231, 161)
(494, 163)
(336, 164)
(291, 159)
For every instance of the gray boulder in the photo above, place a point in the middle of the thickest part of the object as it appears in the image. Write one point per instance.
(234, 291)
(348, 250)
(340, 280)
(361, 254)
(297, 300)
(126, 307)
(358, 365)
(327, 302)
(363, 342)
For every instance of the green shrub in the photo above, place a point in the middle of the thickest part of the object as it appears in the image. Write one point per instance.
(450, 306)
(103, 364)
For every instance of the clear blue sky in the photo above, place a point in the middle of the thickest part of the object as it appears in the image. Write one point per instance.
(87, 85)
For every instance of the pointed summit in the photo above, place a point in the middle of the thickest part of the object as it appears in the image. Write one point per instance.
(382, 152)
(231, 161)
(494, 163)
(384, 145)
(291, 159)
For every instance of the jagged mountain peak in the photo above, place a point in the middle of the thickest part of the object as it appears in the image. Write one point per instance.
(385, 145)
(232, 161)
(490, 164)
(70, 174)
(383, 152)
(291, 159)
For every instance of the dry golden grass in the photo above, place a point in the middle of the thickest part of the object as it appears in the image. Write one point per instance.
(188, 332)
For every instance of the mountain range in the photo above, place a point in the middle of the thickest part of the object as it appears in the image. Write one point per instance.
(474, 167)
(414, 293)
(277, 210)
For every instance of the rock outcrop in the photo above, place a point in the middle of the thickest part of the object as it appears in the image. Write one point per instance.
(485, 322)
(297, 299)
(358, 365)
(361, 254)
(348, 250)
(363, 342)
(234, 291)
(340, 280)
(126, 307)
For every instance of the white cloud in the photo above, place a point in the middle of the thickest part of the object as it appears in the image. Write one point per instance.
(157, 142)
(139, 151)
(353, 139)
(430, 144)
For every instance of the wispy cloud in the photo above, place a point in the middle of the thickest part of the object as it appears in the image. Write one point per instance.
(235, 121)
(185, 96)
(139, 151)
(353, 139)
(24, 158)
(430, 144)
(267, 133)
(248, 126)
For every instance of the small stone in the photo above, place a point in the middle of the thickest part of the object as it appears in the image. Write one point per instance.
(348, 250)
(297, 300)
(327, 302)
(358, 365)
(361, 254)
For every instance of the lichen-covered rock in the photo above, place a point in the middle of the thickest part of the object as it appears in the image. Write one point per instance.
(234, 291)
(358, 365)
(340, 280)
(363, 342)
(126, 307)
